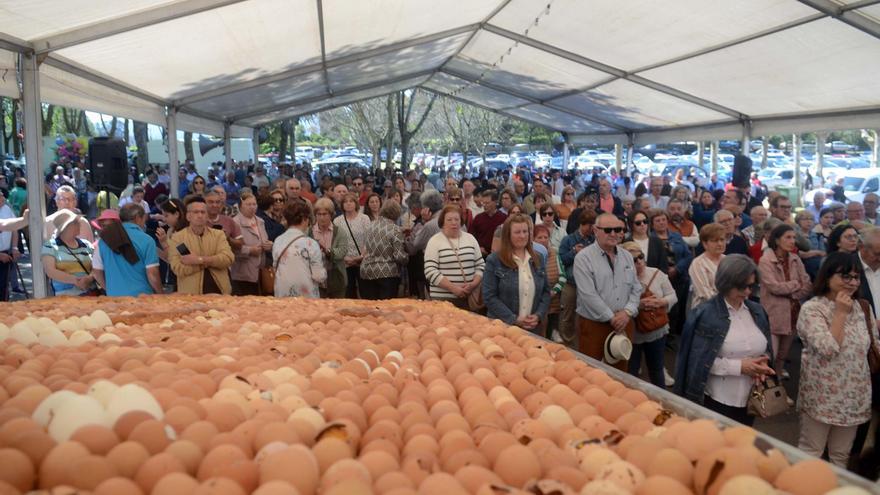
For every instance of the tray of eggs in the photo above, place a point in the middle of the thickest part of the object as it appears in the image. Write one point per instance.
(170, 395)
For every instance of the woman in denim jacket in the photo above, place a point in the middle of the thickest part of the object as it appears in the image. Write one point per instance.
(515, 287)
(725, 345)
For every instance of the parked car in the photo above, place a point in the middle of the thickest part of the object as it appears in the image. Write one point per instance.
(857, 183)
(773, 177)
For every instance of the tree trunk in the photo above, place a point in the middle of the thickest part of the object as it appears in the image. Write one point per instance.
(188, 146)
(48, 119)
(389, 136)
(125, 132)
(16, 142)
(141, 138)
(293, 124)
(3, 138)
(282, 140)
(85, 124)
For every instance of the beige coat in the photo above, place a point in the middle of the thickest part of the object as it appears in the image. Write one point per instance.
(211, 243)
(247, 267)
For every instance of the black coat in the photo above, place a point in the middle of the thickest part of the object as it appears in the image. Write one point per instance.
(656, 255)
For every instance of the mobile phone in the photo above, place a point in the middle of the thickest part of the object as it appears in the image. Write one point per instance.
(182, 249)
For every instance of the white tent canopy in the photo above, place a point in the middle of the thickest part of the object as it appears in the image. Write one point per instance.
(610, 71)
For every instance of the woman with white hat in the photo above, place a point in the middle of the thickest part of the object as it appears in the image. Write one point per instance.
(66, 258)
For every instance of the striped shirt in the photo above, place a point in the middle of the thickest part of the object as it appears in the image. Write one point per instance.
(442, 256)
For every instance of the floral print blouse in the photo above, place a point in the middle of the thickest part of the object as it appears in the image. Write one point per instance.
(835, 385)
(300, 267)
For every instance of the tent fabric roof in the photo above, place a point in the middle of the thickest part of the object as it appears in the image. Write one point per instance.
(603, 70)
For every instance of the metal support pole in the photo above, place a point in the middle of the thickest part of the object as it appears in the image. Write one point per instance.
(630, 150)
(566, 155)
(701, 150)
(796, 144)
(820, 158)
(764, 147)
(875, 150)
(713, 153)
(255, 143)
(745, 149)
(618, 157)
(227, 145)
(33, 133)
(173, 160)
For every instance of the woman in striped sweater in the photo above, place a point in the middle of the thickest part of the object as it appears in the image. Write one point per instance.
(453, 263)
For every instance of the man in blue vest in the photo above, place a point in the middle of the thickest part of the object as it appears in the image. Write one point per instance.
(126, 262)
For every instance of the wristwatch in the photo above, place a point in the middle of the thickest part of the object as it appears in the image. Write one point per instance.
(628, 312)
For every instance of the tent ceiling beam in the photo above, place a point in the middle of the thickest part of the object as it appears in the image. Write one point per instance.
(320, 5)
(847, 16)
(130, 22)
(612, 70)
(314, 99)
(95, 77)
(316, 67)
(530, 99)
(487, 108)
(13, 44)
(476, 30)
(325, 108)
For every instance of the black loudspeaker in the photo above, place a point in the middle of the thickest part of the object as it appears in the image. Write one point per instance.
(108, 164)
(742, 171)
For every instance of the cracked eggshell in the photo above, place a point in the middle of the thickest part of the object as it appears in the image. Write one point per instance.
(46, 410)
(129, 398)
(102, 391)
(77, 411)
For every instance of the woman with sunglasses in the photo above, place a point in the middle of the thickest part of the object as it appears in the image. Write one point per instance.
(652, 343)
(567, 205)
(725, 344)
(271, 208)
(834, 393)
(197, 186)
(652, 247)
(454, 196)
(547, 217)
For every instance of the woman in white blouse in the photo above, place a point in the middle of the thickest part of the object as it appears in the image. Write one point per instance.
(704, 266)
(653, 343)
(725, 344)
(299, 265)
(352, 225)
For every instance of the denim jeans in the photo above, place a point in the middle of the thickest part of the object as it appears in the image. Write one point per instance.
(654, 359)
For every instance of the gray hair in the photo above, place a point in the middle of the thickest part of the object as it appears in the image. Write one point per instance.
(65, 189)
(413, 202)
(390, 210)
(131, 212)
(432, 200)
(766, 226)
(871, 237)
(721, 213)
(733, 273)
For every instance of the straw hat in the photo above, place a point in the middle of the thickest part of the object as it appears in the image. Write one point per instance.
(63, 218)
(618, 347)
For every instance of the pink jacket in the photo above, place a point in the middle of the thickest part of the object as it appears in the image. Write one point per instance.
(777, 294)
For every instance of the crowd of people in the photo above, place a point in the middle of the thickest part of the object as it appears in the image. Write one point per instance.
(618, 269)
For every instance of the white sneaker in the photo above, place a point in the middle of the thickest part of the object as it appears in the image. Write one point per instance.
(667, 378)
(555, 337)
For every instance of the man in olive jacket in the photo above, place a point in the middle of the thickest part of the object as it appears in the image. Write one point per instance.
(200, 256)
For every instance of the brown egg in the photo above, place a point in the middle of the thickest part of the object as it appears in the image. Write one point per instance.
(419, 465)
(276, 487)
(572, 477)
(90, 471)
(175, 483)
(343, 471)
(473, 477)
(17, 469)
(98, 439)
(128, 457)
(714, 469)
(228, 461)
(154, 435)
(275, 432)
(33, 443)
(188, 453)
(53, 470)
(276, 466)
(517, 464)
(699, 438)
(224, 416)
(771, 464)
(807, 478)
(120, 486)
(492, 444)
(392, 481)
(661, 484)
(441, 484)
(219, 486)
(128, 421)
(200, 433)
(329, 451)
(378, 463)
(155, 468)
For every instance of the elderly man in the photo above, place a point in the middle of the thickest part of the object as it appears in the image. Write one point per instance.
(337, 194)
(655, 197)
(855, 214)
(758, 215)
(780, 207)
(293, 188)
(818, 204)
(125, 261)
(200, 255)
(735, 242)
(678, 223)
(484, 224)
(472, 200)
(736, 202)
(432, 201)
(217, 220)
(65, 199)
(870, 202)
(608, 290)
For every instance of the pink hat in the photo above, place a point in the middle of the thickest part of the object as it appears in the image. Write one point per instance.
(107, 214)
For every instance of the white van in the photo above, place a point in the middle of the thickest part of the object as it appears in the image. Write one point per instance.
(858, 182)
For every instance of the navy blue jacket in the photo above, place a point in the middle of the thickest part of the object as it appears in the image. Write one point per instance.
(701, 339)
(501, 290)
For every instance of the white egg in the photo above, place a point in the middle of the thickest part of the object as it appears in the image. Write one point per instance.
(46, 322)
(23, 335)
(89, 323)
(4, 332)
(70, 325)
(44, 412)
(132, 397)
(309, 415)
(52, 337)
(102, 391)
(80, 337)
(101, 318)
(109, 337)
(75, 413)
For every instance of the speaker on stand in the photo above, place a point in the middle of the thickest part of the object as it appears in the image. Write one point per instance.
(108, 164)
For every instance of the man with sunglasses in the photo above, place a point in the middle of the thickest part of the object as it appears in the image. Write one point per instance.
(608, 289)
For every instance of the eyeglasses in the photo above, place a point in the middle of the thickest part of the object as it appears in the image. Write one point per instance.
(198, 182)
(356, 184)
(547, 214)
(278, 200)
(640, 222)
(849, 277)
(640, 257)
(850, 237)
(609, 230)
(455, 198)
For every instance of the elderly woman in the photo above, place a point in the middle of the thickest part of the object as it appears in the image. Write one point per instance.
(547, 218)
(299, 266)
(784, 283)
(703, 268)
(66, 258)
(245, 271)
(352, 226)
(834, 394)
(762, 233)
(515, 286)
(384, 254)
(650, 343)
(651, 246)
(725, 345)
(844, 238)
(453, 263)
(271, 209)
(333, 249)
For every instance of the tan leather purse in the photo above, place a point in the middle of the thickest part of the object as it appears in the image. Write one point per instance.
(767, 398)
